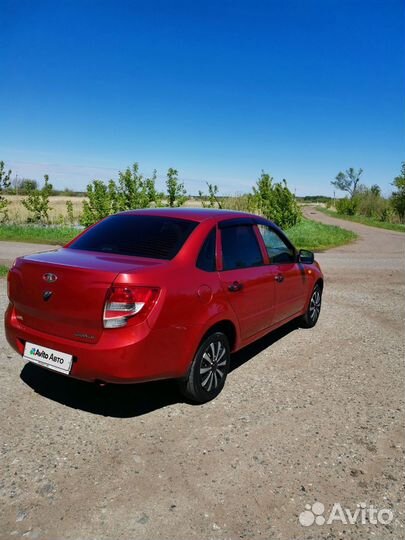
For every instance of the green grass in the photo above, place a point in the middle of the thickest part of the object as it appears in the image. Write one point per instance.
(316, 236)
(306, 235)
(371, 222)
(3, 270)
(37, 234)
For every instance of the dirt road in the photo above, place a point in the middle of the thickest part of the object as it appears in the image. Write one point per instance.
(11, 250)
(306, 415)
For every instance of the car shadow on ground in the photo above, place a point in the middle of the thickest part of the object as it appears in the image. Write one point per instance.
(247, 353)
(129, 400)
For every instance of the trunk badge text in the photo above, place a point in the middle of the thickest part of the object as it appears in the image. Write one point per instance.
(46, 295)
(50, 278)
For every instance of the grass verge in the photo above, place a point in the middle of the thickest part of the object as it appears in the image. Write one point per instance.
(316, 236)
(3, 270)
(306, 235)
(371, 222)
(37, 234)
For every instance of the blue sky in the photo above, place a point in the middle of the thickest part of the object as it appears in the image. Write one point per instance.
(217, 89)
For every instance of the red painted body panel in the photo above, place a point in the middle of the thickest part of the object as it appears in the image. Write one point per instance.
(190, 302)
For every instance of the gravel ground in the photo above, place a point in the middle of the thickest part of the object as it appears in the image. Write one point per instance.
(306, 415)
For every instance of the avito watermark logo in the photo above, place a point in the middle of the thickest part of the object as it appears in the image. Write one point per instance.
(363, 514)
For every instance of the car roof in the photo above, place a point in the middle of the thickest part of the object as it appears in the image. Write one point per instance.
(194, 214)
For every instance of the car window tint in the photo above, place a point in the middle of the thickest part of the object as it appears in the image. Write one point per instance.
(277, 249)
(240, 248)
(206, 258)
(154, 237)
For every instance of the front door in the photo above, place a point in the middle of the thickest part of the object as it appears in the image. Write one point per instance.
(290, 279)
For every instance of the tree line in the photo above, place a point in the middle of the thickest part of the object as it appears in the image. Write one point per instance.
(368, 201)
(132, 190)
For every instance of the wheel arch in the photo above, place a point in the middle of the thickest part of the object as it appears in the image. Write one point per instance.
(225, 326)
(319, 282)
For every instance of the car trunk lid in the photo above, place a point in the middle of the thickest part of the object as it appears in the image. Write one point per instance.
(63, 292)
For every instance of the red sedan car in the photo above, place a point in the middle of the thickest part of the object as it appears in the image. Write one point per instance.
(160, 293)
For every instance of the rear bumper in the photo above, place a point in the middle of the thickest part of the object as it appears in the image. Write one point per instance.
(127, 355)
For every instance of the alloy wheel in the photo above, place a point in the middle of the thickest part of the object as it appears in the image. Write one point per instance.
(213, 365)
(315, 305)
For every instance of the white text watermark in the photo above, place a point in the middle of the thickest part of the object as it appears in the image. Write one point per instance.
(362, 514)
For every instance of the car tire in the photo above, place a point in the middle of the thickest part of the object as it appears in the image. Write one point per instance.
(311, 316)
(209, 369)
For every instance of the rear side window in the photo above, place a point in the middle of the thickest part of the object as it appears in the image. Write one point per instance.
(240, 248)
(206, 258)
(155, 237)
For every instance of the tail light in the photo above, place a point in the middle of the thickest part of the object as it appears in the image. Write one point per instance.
(123, 303)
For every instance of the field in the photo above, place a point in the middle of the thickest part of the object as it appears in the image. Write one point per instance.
(58, 213)
(19, 214)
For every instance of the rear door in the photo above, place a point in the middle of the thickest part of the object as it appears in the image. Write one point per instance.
(245, 278)
(291, 282)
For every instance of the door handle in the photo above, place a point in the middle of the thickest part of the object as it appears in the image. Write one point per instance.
(235, 286)
(279, 278)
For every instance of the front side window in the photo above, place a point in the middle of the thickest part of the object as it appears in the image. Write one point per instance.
(157, 237)
(240, 248)
(277, 249)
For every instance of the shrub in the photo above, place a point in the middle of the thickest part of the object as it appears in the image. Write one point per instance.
(211, 200)
(4, 185)
(69, 212)
(387, 215)
(370, 203)
(398, 197)
(346, 207)
(37, 202)
(276, 202)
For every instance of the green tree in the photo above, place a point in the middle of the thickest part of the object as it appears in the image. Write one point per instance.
(130, 192)
(134, 191)
(398, 196)
(348, 181)
(99, 203)
(37, 202)
(375, 190)
(176, 192)
(152, 195)
(4, 185)
(276, 202)
(211, 200)
(69, 212)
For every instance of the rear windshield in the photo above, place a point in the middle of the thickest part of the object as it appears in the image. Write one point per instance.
(141, 236)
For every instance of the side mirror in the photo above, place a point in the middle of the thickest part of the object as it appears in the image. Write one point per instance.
(305, 256)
